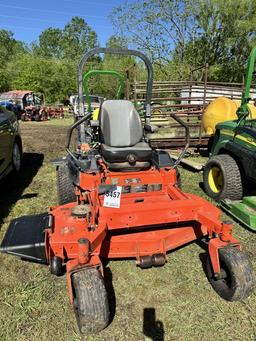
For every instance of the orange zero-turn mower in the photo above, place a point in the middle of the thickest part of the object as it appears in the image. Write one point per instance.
(127, 204)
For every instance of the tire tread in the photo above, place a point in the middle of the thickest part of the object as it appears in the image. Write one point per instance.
(233, 186)
(241, 271)
(65, 187)
(92, 310)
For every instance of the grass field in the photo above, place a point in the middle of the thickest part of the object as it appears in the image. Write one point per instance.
(174, 302)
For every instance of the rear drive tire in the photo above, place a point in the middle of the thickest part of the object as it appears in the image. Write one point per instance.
(222, 178)
(238, 279)
(65, 187)
(90, 301)
(178, 179)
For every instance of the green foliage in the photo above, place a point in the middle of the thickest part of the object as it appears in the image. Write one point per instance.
(78, 37)
(48, 67)
(9, 46)
(4, 80)
(50, 43)
(69, 43)
(190, 33)
(9, 49)
(156, 26)
(55, 79)
(228, 34)
(178, 36)
(117, 42)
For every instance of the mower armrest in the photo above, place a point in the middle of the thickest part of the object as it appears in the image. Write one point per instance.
(149, 128)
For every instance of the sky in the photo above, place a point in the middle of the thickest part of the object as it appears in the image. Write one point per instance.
(28, 18)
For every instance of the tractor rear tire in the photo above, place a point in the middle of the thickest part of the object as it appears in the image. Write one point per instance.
(90, 301)
(238, 279)
(37, 117)
(222, 178)
(65, 186)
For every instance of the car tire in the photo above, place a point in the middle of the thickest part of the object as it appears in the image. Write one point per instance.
(16, 157)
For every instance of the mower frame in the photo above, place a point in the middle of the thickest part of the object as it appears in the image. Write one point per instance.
(129, 232)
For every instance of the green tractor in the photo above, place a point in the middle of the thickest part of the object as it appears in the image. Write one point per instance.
(230, 173)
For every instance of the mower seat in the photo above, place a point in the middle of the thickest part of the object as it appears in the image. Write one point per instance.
(121, 136)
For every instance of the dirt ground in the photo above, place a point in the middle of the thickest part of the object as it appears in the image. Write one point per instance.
(174, 302)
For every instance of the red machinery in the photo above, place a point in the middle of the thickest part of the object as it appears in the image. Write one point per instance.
(127, 205)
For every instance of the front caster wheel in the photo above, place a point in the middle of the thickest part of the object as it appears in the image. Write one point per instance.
(90, 301)
(237, 280)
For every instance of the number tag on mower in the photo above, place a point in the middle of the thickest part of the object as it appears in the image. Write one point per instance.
(112, 198)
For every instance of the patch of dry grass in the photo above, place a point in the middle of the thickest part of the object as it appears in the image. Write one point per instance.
(174, 302)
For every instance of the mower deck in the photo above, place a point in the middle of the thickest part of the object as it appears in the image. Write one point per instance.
(154, 217)
(131, 231)
(242, 210)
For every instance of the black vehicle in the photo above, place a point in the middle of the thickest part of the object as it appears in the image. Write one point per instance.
(10, 143)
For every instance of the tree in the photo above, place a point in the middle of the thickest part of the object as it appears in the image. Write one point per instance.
(9, 46)
(54, 78)
(9, 49)
(49, 66)
(115, 41)
(68, 43)
(50, 43)
(192, 32)
(156, 26)
(225, 37)
(78, 37)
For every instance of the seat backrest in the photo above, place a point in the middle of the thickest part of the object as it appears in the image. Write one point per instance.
(120, 123)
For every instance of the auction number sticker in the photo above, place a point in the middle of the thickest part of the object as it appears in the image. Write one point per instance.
(112, 198)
